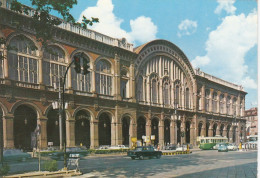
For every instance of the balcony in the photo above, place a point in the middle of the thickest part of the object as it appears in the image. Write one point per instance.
(218, 80)
(121, 43)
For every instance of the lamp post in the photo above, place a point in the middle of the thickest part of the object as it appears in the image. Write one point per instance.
(57, 105)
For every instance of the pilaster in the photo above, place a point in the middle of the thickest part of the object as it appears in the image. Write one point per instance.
(94, 134)
(203, 98)
(8, 131)
(43, 134)
(70, 132)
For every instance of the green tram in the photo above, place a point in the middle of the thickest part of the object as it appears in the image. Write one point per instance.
(207, 143)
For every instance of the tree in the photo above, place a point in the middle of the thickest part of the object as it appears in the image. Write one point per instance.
(43, 22)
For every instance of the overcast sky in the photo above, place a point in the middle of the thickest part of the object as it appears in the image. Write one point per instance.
(218, 36)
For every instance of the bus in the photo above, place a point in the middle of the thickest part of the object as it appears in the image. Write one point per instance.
(207, 143)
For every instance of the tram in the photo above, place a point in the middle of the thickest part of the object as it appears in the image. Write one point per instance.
(207, 143)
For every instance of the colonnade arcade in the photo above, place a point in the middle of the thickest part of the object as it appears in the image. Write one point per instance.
(234, 132)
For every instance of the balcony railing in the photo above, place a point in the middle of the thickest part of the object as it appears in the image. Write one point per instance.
(218, 80)
(121, 43)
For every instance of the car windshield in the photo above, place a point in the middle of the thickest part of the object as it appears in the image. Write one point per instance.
(138, 149)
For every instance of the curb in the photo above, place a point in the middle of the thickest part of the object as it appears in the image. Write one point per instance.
(62, 173)
(176, 153)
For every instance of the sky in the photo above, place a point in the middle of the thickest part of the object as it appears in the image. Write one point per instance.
(217, 36)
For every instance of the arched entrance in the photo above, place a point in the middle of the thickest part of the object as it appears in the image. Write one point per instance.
(221, 130)
(228, 129)
(179, 131)
(167, 137)
(82, 129)
(155, 130)
(141, 128)
(234, 135)
(187, 134)
(215, 129)
(200, 128)
(53, 134)
(125, 130)
(207, 129)
(104, 129)
(25, 121)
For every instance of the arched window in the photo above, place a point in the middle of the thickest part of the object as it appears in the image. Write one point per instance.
(1, 63)
(103, 77)
(228, 105)
(80, 81)
(187, 98)
(139, 93)
(54, 65)
(234, 106)
(154, 89)
(166, 92)
(124, 84)
(207, 94)
(23, 63)
(177, 95)
(214, 102)
(221, 104)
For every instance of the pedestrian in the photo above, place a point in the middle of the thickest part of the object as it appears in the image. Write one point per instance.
(158, 147)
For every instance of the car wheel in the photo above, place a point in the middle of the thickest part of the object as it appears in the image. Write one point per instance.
(158, 156)
(141, 157)
(133, 158)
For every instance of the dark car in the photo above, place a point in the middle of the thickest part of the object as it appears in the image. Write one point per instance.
(72, 150)
(171, 147)
(144, 151)
(15, 155)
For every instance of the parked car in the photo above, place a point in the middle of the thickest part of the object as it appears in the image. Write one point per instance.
(222, 147)
(217, 145)
(144, 151)
(118, 147)
(103, 147)
(232, 146)
(182, 148)
(171, 147)
(15, 155)
(71, 150)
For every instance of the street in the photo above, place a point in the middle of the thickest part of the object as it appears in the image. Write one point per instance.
(198, 164)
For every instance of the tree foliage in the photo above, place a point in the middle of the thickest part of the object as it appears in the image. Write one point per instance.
(44, 23)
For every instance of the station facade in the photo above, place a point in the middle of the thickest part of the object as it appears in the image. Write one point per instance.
(130, 92)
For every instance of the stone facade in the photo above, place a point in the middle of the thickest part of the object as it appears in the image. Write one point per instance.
(251, 121)
(149, 90)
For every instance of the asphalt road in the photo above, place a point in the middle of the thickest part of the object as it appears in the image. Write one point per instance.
(208, 164)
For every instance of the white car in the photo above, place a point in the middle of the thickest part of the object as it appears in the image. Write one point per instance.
(232, 146)
(183, 148)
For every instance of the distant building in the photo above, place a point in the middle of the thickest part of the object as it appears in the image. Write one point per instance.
(251, 121)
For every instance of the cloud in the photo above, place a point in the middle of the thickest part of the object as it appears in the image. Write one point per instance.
(225, 5)
(187, 27)
(226, 48)
(142, 28)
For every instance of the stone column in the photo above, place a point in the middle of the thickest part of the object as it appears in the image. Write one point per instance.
(211, 130)
(6, 66)
(117, 78)
(43, 135)
(160, 101)
(203, 98)
(231, 135)
(161, 133)
(93, 79)
(238, 106)
(195, 98)
(8, 131)
(243, 106)
(148, 90)
(193, 134)
(210, 100)
(40, 73)
(69, 79)
(132, 83)
(183, 128)
(70, 132)
(173, 131)
(225, 103)
(218, 129)
(119, 137)
(148, 127)
(218, 101)
(132, 131)
(224, 131)
(94, 134)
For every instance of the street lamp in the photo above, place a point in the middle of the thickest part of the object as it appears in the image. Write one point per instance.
(58, 105)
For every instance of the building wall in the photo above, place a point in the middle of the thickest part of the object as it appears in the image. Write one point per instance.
(251, 121)
(155, 82)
